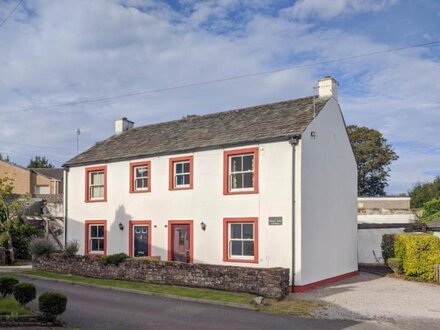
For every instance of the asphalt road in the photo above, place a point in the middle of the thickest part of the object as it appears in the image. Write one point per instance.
(98, 308)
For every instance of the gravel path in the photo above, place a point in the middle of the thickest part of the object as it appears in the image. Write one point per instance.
(369, 296)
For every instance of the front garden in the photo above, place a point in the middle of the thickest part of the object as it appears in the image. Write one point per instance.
(16, 296)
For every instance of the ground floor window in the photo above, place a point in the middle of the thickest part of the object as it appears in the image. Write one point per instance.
(96, 237)
(240, 239)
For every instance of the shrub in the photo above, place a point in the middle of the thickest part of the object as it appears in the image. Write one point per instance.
(431, 210)
(114, 259)
(52, 304)
(396, 265)
(41, 247)
(71, 248)
(7, 285)
(24, 292)
(387, 246)
(419, 254)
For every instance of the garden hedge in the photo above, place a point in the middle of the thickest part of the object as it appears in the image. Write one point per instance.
(419, 254)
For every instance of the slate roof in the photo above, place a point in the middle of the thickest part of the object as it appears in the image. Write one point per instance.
(434, 224)
(262, 123)
(54, 173)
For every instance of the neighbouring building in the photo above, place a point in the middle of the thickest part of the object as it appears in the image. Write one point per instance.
(34, 181)
(378, 216)
(272, 185)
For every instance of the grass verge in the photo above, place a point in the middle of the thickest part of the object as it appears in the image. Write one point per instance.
(289, 305)
(9, 306)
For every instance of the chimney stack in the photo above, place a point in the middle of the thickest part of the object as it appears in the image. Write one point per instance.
(122, 125)
(328, 87)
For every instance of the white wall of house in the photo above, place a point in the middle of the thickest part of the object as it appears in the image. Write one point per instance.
(205, 202)
(326, 226)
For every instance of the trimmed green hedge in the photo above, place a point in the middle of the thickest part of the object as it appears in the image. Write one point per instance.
(419, 253)
(387, 246)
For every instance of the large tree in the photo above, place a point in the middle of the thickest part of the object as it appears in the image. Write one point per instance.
(39, 162)
(373, 156)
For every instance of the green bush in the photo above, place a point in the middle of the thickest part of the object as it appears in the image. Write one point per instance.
(41, 247)
(52, 304)
(114, 259)
(24, 292)
(424, 192)
(71, 248)
(431, 210)
(419, 254)
(7, 285)
(387, 246)
(396, 265)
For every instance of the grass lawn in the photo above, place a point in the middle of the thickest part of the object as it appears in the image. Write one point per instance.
(9, 306)
(289, 305)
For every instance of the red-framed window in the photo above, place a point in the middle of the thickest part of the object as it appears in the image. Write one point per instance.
(96, 184)
(181, 173)
(172, 224)
(95, 238)
(140, 177)
(137, 227)
(240, 171)
(240, 240)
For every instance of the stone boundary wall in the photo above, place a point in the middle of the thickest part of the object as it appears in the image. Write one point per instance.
(50, 198)
(266, 282)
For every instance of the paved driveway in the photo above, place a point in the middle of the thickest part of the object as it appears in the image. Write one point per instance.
(410, 305)
(97, 308)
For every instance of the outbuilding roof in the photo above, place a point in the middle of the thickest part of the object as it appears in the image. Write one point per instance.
(262, 123)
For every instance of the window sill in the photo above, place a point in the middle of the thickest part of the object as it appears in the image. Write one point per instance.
(139, 191)
(95, 200)
(245, 192)
(183, 188)
(252, 261)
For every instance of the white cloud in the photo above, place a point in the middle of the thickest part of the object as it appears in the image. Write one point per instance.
(325, 9)
(57, 51)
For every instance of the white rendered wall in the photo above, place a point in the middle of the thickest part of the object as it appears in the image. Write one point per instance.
(327, 226)
(370, 240)
(387, 218)
(205, 202)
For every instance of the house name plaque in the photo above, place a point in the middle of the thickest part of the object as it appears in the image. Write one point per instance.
(275, 221)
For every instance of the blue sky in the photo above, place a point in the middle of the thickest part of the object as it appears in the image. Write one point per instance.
(61, 51)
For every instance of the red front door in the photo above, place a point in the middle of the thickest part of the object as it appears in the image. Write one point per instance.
(181, 242)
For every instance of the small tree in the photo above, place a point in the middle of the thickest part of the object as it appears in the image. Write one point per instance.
(424, 192)
(431, 210)
(373, 156)
(40, 162)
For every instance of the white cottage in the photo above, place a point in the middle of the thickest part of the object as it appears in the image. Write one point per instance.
(267, 186)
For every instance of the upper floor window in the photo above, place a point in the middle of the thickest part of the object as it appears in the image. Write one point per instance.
(181, 173)
(240, 171)
(140, 177)
(96, 184)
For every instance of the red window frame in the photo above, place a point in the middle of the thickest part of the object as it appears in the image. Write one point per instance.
(190, 159)
(86, 236)
(229, 153)
(191, 238)
(89, 170)
(137, 164)
(131, 225)
(226, 222)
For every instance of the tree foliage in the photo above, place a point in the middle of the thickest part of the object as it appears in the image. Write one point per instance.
(424, 192)
(373, 156)
(15, 235)
(39, 162)
(431, 210)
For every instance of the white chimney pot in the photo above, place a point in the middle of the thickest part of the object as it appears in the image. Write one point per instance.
(328, 87)
(122, 125)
